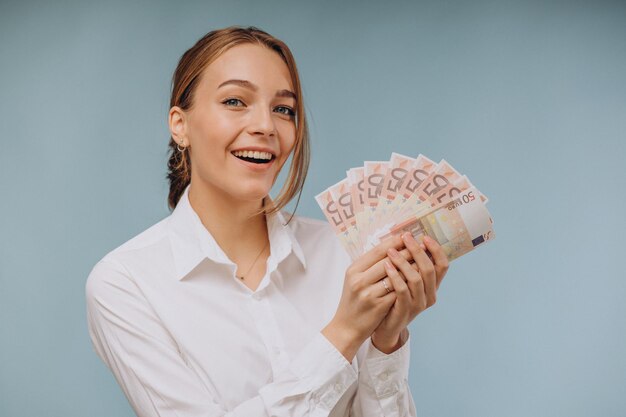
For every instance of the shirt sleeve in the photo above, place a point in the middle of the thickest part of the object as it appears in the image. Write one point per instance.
(383, 387)
(129, 337)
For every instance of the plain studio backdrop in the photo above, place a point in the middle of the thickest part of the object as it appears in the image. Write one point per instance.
(526, 98)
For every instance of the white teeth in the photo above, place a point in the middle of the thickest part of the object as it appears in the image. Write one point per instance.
(253, 154)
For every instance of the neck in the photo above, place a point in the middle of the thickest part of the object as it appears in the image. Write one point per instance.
(229, 220)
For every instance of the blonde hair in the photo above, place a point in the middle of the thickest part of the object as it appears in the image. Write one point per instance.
(184, 83)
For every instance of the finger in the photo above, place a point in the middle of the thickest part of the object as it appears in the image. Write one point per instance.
(410, 274)
(415, 281)
(426, 269)
(379, 289)
(376, 254)
(377, 271)
(388, 299)
(399, 286)
(440, 259)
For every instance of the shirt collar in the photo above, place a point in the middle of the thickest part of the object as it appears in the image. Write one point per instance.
(192, 242)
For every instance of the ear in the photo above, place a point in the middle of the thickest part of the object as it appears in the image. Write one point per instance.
(177, 121)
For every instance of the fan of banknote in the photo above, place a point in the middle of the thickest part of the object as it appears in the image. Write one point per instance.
(417, 195)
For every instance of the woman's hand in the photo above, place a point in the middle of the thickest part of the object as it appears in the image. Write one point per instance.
(365, 301)
(416, 287)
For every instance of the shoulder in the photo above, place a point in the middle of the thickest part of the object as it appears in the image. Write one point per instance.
(142, 242)
(148, 248)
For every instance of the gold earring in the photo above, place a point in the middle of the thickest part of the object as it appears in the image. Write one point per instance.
(182, 142)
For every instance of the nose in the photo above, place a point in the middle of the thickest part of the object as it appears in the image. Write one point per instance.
(262, 122)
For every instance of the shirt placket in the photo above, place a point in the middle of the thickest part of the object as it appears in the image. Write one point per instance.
(268, 328)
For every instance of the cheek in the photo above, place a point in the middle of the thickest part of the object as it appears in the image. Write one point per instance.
(287, 150)
(213, 130)
(289, 140)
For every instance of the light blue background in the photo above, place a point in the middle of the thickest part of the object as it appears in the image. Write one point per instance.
(527, 98)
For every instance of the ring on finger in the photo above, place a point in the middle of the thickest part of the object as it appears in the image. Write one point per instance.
(385, 285)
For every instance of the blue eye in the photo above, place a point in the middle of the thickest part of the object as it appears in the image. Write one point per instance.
(232, 100)
(287, 111)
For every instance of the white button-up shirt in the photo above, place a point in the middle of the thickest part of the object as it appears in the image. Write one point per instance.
(184, 337)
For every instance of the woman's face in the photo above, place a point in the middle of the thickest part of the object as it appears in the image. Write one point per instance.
(241, 127)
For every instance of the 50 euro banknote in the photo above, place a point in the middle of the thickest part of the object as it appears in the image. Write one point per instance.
(459, 225)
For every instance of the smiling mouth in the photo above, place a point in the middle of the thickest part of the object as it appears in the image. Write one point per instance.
(249, 157)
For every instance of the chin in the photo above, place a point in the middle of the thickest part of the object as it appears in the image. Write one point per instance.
(251, 190)
(252, 195)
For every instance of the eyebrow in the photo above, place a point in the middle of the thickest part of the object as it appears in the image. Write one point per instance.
(253, 87)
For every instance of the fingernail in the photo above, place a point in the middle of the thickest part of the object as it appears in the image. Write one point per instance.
(408, 237)
(428, 239)
(388, 265)
(392, 252)
(422, 246)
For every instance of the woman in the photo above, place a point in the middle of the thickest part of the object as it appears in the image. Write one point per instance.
(225, 307)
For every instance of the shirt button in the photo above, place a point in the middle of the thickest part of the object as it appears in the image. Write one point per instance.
(338, 387)
(384, 376)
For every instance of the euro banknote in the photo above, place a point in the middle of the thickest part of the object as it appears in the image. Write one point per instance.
(384, 198)
(458, 225)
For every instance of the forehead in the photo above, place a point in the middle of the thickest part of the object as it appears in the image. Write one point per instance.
(255, 63)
